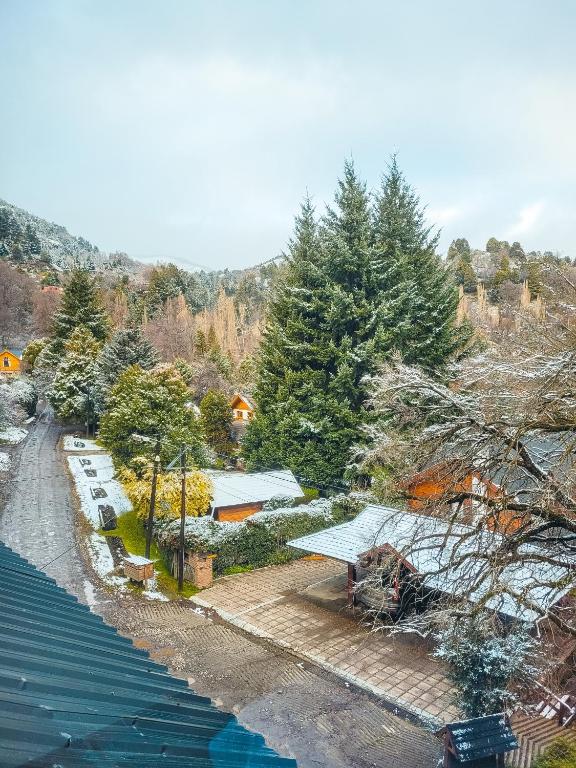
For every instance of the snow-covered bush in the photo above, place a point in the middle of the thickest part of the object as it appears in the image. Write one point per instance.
(257, 541)
(18, 398)
(487, 664)
(278, 502)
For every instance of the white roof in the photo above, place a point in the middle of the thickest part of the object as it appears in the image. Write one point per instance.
(233, 488)
(443, 554)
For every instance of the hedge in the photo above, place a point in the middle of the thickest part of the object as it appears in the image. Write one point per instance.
(260, 539)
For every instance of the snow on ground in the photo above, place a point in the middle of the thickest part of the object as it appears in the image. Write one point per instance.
(102, 562)
(12, 435)
(4, 462)
(152, 592)
(75, 444)
(95, 484)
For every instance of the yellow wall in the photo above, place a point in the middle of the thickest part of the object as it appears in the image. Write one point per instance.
(9, 363)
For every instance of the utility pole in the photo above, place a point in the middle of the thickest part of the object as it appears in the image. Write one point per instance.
(182, 519)
(150, 526)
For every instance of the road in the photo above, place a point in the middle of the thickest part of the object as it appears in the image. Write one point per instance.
(302, 711)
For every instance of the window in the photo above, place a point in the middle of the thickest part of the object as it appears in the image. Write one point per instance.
(6, 363)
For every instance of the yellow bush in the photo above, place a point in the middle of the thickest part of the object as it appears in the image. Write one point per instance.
(198, 492)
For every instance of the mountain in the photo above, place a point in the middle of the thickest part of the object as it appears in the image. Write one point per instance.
(25, 239)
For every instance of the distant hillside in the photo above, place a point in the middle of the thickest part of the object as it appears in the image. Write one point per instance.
(25, 238)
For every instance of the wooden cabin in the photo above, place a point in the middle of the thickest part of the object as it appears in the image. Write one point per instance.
(242, 407)
(10, 362)
(237, 495)
(445, 480)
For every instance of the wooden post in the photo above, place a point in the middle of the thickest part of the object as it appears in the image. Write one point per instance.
(182, 520)
(150, 527)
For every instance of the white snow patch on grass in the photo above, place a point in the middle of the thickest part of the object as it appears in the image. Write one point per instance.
(152, 592)
(76, 444)
(101, 489)
(12, 435)
(4, 462)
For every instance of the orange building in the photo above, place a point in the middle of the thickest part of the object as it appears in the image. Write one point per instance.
(445, 481)
(9, 362)
(242, 407)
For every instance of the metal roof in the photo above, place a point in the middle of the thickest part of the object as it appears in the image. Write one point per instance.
(73, 692)
(480, 737)
(431, 545)
(233, 488)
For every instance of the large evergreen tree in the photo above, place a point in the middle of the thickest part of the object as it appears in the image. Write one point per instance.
(80, 306)
(422, 323)
(154, 404)
(127, 347)
(365, 283)
(71, 393)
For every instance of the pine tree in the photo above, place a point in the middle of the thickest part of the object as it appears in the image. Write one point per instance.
(422, 299)
(318, 343)
(364, 284)
(216, 420)
(71, 393)
(80, 306)
(154, 404)
(127, 347)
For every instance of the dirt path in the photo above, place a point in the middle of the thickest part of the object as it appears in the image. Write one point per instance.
(302, 711)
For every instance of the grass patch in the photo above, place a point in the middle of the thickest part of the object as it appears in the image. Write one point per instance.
(237, 569)
(131, 530)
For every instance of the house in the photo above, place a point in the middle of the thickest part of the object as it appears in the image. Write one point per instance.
(237, 495)
(242, 407)
(447, 476)
(427, 557)
(74, 692)
(10, 361)
(53, 289)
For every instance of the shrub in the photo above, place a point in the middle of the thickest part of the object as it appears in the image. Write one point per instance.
(560, 754)
(255, 542)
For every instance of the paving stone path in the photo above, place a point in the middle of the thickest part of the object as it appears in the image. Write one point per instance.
(273, 603)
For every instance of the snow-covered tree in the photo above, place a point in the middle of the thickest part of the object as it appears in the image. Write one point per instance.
(71, 394)
(127, 347)
(364, 283)
(488, 667)
(154, 404)
(80, 306)
(509, 424)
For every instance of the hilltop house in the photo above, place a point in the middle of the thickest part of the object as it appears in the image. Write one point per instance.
(10, 361)
(242, 413)
(237, 495)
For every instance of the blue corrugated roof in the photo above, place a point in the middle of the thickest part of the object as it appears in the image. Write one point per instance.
(73, 692)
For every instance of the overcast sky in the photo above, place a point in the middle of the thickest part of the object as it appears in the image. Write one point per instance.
(183, 130)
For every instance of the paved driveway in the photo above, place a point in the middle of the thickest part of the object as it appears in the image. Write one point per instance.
(276, 603)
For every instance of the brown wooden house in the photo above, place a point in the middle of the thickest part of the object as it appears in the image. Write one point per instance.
(237, 495)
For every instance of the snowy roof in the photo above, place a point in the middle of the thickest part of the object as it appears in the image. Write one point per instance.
(233, 488)
(137, 560)
(432, 545)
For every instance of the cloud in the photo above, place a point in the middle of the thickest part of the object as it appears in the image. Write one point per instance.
(527, 220)
(442, 216)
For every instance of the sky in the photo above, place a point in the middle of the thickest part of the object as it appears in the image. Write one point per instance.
(190, 131)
